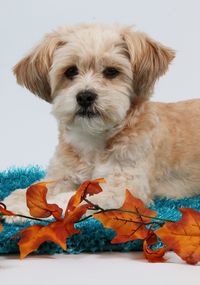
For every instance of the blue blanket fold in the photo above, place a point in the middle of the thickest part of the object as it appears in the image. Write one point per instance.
(93, 236)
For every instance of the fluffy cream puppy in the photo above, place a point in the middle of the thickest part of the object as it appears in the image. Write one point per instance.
(99, 79)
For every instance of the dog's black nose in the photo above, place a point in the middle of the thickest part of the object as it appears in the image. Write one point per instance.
(86, 98)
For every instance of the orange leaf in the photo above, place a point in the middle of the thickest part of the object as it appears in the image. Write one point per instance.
(57, 232)
(153, 255)
(183, 236)
(5, 212)
(1, 227)
(37, 203)
(34, 236)
(128, 225)
(27, 243)
(86, 188)
(74, 216)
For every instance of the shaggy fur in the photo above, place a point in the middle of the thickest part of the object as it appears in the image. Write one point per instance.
(148, 147)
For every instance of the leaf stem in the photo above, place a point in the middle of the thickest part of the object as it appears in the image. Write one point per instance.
(97, 207)
(2, 204)
(137, 222)
(84, 219)
(30, 218)
(22, 216)
(138, 214)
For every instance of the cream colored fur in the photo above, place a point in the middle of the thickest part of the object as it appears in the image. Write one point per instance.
(147, 147)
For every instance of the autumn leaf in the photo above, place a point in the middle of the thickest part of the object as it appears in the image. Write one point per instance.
(57, 232)
(129, 221)
(86, 188)
(37, 203)
(27, 242)
(34, 236)
(1, 227)
(153, 255)
(183, 237)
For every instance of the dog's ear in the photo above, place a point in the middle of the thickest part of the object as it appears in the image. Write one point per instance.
(33, 70)
(149, 60)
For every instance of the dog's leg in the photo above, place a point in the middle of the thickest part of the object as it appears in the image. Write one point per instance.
(16, 202)
(63, 169)
(59, 193)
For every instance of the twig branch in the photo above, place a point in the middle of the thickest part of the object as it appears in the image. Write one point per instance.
(97, 207)
(137, 214)
(138, 222)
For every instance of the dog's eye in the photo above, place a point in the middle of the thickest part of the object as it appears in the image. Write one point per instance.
(71, 72)
(110, 72)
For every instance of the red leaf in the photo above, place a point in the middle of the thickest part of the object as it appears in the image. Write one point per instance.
(57, 232)
(86, 188)
(128, 226)
(183, 236)
(37, 203)
(33, 236)
(150, 254)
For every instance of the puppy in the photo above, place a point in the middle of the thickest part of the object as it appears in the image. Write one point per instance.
(99, 80)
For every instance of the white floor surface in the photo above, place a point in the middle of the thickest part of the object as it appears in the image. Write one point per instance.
(104, 268)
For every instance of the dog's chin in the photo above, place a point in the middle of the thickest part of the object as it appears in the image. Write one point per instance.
(91, 121)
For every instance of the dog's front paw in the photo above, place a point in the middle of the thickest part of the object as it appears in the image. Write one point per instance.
(16, 203)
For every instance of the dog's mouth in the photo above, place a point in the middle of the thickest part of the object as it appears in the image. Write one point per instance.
(87, 113)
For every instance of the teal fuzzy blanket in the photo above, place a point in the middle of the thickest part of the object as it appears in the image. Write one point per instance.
(93, 236)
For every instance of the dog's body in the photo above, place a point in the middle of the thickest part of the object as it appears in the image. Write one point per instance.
(99, 80)
(155, 152)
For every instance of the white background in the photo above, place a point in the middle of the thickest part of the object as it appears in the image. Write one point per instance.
(28, 131)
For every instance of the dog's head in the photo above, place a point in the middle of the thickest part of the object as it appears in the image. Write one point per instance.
(93, 73)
